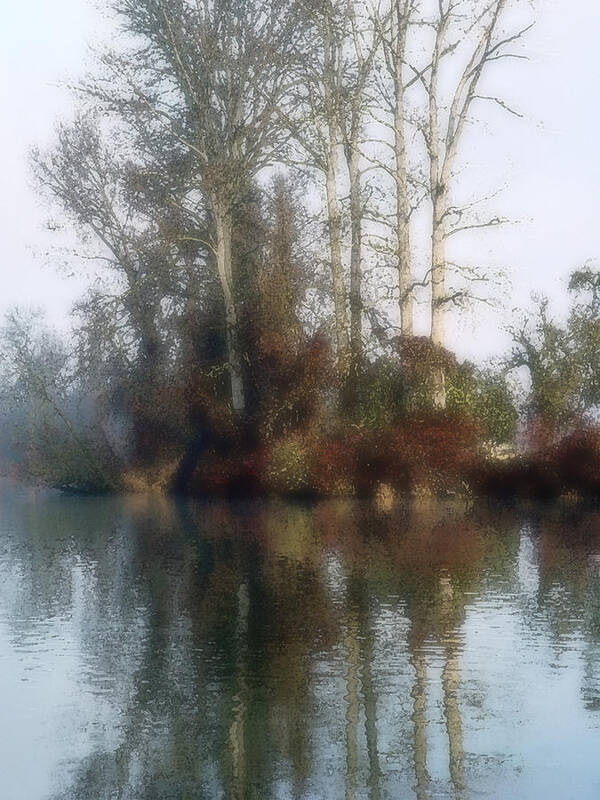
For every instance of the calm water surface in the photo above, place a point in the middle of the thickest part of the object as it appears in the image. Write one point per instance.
(150, 650)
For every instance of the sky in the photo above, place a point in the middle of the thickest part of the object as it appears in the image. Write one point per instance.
(548, 162)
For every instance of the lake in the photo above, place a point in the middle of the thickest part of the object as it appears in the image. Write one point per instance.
(154, 650)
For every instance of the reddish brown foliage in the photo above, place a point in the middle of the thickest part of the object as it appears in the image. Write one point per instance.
(418, 356)
(576, 461)
(227, 475)
(570, 465)
(337, 460)
(435, 450)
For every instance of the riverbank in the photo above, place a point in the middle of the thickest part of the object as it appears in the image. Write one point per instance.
(424, 461)
(421, 459)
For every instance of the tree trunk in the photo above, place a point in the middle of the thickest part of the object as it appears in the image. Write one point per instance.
(402, 206)
(335, 244)
(224, 226)
(353, 159)
(438, 275)
(438, 296)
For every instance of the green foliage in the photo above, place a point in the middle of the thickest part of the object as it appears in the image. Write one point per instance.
(394, 388)
(495, 408)
(583, 331)
(563, 361)
(82, 462)
(380, 393)
(486, 397)
(424, 366)
(546, 350)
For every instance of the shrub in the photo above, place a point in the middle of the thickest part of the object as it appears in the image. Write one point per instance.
(421, 362)
(337, 460)
(570, 465)
(576, 461)
(288, 467)
(380, 393)
(486, 397)
(436, 451)
(63, 458)
(433, 450)
(228, 474)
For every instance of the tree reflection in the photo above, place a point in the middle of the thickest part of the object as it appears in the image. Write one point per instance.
(419, 720)
(451, 685)
(272, 651)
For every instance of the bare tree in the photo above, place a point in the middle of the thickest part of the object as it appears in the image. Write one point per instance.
(468, 38)
(101, 193)
(212, 77)
(482, 30)
(224, 89)
(362, 49)
(315, 125)
(394, 26)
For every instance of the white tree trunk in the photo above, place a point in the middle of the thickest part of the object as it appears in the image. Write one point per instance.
(353, 158)
(402, 212)
(438, 295)
(335, 245)
(224, 228)
(438, 275)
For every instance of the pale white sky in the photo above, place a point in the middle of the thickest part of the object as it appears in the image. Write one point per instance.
(550, 161)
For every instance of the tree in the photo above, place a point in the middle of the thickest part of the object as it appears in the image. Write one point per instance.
(103, 194)
(60, 441)
(210, 79)
(584, 332)
(545, 350)
(562, 360)
(117, 204)
(315, 126)
(476, 27)
(355, 87)
(394, 27)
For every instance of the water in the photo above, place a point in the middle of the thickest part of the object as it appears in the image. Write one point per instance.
(152, 650)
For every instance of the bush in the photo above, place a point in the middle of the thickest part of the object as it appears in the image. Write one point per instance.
(228, 475)
(337, 462)
(288, 466)
(380, 394)
(570, 465)
(486, 397)
(576, 461)
(421, 362)
(532, 478)
(79, 462)
(434, 450)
